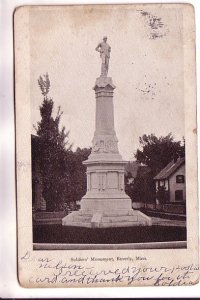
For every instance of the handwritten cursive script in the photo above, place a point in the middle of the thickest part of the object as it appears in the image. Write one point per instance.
(59, 272)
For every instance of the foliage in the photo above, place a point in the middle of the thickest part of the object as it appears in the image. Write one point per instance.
(63, 174)
(142, 188)
(78, 179)
(157, 152)
(154, 153)
(44, 84)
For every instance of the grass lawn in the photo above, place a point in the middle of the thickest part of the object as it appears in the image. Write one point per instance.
(57, 233)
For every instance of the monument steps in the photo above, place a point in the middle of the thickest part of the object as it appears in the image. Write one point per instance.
(107, 213)
(121, 224)
(82, 218)
(119, 219)
(107, 219)
(107, 224)
(80, 224)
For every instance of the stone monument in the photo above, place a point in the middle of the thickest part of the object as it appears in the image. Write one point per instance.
(105, 204)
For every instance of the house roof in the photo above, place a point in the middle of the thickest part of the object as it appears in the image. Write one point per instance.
(170, 169)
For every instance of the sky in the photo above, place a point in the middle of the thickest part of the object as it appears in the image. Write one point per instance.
(146, 65)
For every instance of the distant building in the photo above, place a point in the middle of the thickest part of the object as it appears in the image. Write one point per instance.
(172, 178)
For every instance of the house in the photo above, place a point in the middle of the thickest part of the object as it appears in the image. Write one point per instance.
(172, 178)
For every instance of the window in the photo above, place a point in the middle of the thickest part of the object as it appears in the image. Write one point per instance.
(161, 182)
(180, 179)
(179, 195)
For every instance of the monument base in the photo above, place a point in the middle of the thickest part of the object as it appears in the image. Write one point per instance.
(101, 218)
(105, 203)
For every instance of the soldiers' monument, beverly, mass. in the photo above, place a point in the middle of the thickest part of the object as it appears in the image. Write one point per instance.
(105, 203)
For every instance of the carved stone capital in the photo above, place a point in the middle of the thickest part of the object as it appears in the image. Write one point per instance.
(105, 144)
(104, 82)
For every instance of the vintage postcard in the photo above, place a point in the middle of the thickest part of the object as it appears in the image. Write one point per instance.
(106, 145)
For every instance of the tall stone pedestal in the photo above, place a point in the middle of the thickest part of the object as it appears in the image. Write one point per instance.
(105, 203)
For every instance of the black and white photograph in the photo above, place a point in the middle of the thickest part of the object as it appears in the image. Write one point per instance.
(106, 135)
(105, 170)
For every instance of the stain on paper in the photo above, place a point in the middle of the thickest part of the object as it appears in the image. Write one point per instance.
(157, 29)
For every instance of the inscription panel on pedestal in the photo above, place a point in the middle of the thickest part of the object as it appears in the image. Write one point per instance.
(112, 180)
(94, 181)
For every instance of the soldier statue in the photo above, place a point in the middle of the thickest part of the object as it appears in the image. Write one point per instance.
(104, 50)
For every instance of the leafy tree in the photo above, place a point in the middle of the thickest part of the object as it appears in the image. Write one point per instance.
(162, 195)
(63, 174)
(142, 188)
(54, 145)
(48, 127)
(157, 152)
(78, 174)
